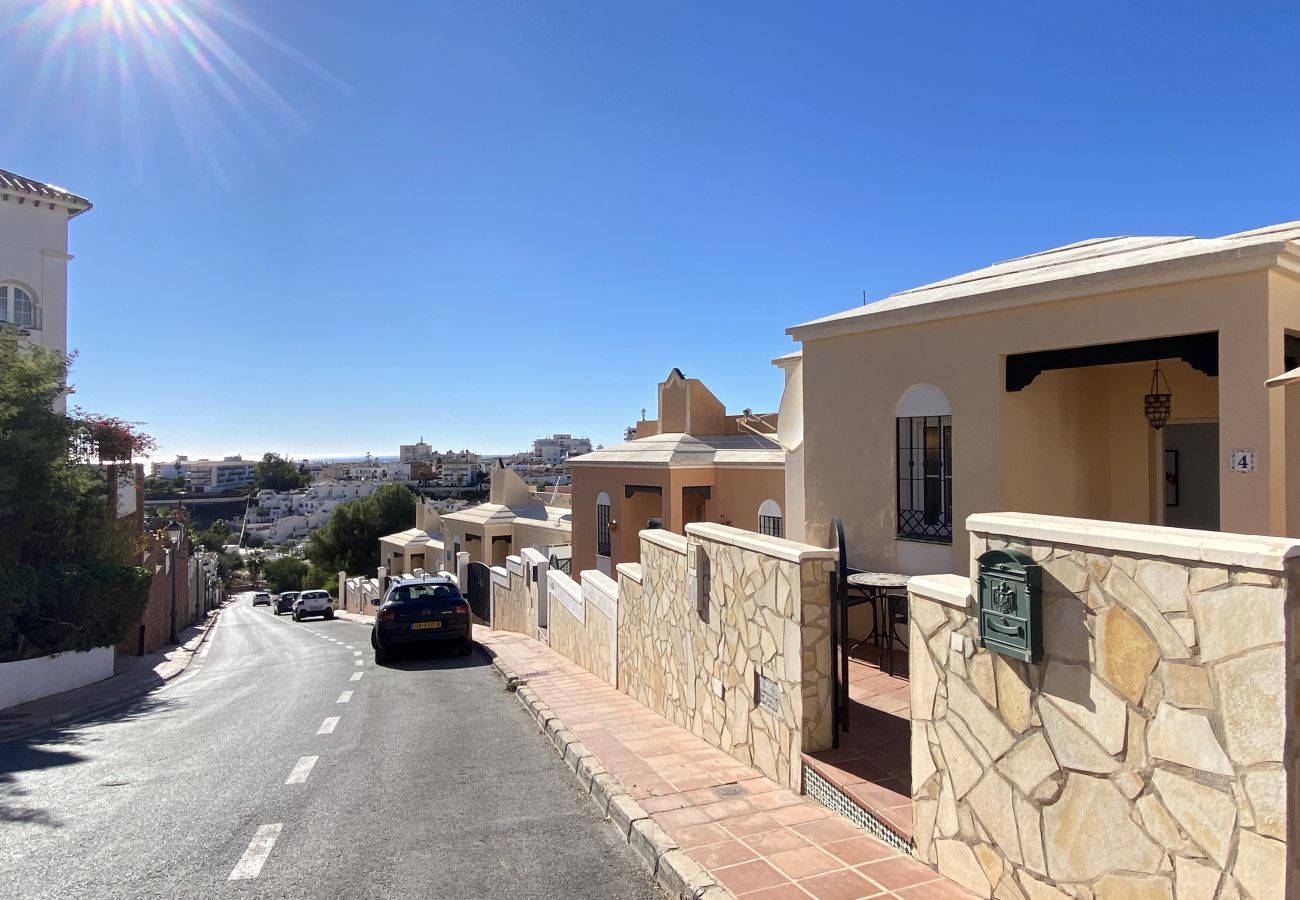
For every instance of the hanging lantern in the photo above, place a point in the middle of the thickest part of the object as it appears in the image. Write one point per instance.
(1158, 403)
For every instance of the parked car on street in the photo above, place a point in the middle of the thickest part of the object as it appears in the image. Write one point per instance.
(313, 603)
(261, 599)
(284, 602)
(421, 611)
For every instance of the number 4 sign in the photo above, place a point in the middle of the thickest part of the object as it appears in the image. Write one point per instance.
(1242, 461)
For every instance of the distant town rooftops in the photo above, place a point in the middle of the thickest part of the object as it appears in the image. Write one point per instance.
(1075, 269)
(13, 183)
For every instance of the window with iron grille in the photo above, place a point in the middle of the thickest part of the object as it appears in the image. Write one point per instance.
(925, 478)
(770, 525)
(602, 529)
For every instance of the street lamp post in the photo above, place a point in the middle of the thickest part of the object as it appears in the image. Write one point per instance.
(174, 531)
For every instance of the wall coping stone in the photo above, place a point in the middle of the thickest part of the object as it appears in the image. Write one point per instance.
(1244, 550)
(500, 576)
(948, 590)
(630, 570)
(780, 548)
(669, 540)
(533, 556)
(515, 565)
(600, 580)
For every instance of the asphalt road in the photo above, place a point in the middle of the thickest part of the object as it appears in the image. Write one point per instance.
(233, 781)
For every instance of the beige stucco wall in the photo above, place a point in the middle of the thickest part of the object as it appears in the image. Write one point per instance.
(1150, 753)
(849, 450)
(765, 614)
(736, 494)
(582, 628)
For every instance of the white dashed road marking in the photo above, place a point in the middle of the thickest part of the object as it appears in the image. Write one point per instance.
(250, 864)
(359, 662)
(301, 770)
(349, 646)
(356, 652)
(344, 697)
(356, 676)
(327, 727)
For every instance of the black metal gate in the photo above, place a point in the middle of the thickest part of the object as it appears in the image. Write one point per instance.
(479, 591)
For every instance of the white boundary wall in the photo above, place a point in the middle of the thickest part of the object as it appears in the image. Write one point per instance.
(31, 679)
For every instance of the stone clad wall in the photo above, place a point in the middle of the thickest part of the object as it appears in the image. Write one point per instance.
(768, 615)
(588, 638)
(1146, 755)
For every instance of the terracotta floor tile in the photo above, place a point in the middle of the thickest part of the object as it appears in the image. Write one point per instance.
(842, 885)
(750, 823)
(804, 861)
(799, 813)
(681, 818)
(898, 872)
(729, 808)
(664, 803)
(829, 829)
(857, 850)
(767, 843)
(936, 890)
(726, 853)
(779, 892)
(748, 876)
(698, 835)
(884, 794)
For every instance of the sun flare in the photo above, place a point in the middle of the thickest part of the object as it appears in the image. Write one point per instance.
(202, 59)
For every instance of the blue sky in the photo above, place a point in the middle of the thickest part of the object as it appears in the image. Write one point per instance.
(484, 222)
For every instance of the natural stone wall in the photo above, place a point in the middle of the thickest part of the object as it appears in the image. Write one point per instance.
(588, 636)
(767, 615)
(1147, 754)
(511, 601)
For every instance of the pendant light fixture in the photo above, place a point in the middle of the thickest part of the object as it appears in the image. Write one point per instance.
(1158, 404)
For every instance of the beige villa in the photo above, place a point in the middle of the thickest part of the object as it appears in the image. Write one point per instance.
(694, 463)
(1036, 384)
(514, 518)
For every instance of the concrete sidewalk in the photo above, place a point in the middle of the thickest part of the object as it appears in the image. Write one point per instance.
(133, 676)
(683, 798)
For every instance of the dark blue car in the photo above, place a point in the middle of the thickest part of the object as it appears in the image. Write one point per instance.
(421, 611)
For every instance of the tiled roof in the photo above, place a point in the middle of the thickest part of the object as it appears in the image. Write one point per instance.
(688, 450)
(1083, 263)
(10, 181)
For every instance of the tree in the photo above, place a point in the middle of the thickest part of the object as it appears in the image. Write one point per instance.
(254, 563)
(285, 573)
(254, 540)
(275, 473)
(350, 540)
(66, 576)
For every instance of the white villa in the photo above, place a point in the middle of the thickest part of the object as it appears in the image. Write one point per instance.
(34, 258)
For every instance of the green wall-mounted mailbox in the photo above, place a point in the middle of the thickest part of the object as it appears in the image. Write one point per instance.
(1011, 604)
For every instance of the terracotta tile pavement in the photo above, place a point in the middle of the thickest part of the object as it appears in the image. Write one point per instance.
(873, 764)
(760, 840)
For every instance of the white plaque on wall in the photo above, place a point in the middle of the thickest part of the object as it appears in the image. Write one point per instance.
(1241, 461)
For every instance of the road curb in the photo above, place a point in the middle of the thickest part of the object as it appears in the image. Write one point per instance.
(672, 867)
(26, 729)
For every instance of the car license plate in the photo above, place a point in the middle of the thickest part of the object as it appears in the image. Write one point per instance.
(418, 625)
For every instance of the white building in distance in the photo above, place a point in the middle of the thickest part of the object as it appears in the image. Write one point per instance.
(212, 476)
(557, 448)
(417, 452)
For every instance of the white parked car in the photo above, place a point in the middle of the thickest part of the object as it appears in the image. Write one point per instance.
(313, 603)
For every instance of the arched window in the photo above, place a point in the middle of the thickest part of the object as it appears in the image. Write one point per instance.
(924, 435)
(18, 307)
(602, 525)
(769, 519)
